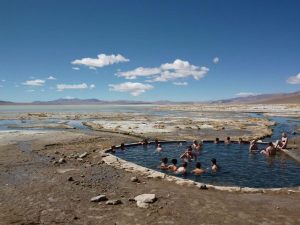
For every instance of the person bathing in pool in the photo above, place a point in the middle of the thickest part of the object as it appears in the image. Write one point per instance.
(182, 168)
(270, 150)
(253, 146)
(197, 146)
(217, 141)
(214, 166)
(159, 148)
(164, 163)
(188, 154)
(282, 144)
(227, 141)
(198, 170)
(173, 167)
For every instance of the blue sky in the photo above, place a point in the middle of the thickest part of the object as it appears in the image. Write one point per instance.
(148, 50)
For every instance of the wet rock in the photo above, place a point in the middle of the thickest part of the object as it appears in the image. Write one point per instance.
(113, 202)
(134, 179)
(83, 155)
(98, 198)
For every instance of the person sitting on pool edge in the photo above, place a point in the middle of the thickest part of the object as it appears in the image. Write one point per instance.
(282, 144)
(164, 163)
(270, 150)
(214, 166)
(182, 169)
(217, 141)
(173, 167)
(198, 170)
(188, 154)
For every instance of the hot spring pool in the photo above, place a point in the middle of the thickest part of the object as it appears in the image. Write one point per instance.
(238, 166)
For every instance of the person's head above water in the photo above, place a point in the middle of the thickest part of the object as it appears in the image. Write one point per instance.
(198, 165)
(213, 161)
(228, 138)
(164, 160)
(174, 161)
(270, 144)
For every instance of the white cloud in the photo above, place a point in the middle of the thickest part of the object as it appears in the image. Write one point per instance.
(101, 61)
(30, 90)
(246, 94)
(3, 80)
(140, 71)
(92, 86)
(61, 87)
(168, 71)
(180, 83)
(75, 68)
(1, 86)
(36, 82)
(134, 89)
(216, 60)
(294, 79)
(51, 78)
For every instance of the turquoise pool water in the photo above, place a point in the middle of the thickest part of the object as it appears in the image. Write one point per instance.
(238, 166)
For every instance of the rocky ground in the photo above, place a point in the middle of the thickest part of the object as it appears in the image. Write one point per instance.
(52, 179)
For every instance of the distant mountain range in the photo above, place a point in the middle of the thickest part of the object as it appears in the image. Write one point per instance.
(277, 98)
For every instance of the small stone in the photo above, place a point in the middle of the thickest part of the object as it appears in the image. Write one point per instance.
(145, 198)
(61, 161)
(79, 159)
(113, 202)
(203, 187)
(98, 198)
(56, 152)
(142, 205)
(83, 155)
(82, 175)
(75, 218)
(134, 179)
(104, 155)
(70, 179)
(131, 199)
